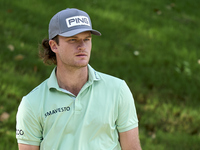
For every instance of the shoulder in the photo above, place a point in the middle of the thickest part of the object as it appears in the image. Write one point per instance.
(32, 103)
(111, 82)
(109, 78)
(41, 87)
(105, 81)
(34, 96)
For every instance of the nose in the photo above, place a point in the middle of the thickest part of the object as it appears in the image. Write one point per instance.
(81, 45)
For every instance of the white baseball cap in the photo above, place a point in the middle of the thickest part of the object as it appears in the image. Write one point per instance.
(70, 22)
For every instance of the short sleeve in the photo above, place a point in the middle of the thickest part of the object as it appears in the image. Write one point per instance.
(127, 116)
(28, 127)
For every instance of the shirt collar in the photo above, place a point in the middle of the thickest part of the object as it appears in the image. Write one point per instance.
(93, 74)
(53, 83)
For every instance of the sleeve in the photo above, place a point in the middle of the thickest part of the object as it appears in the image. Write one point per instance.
(127, 116)
(28, 127)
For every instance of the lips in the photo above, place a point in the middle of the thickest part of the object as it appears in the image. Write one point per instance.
(81, 54)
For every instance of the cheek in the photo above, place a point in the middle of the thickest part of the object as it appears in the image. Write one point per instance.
(66, 49)
(89, 49)
(90, 46)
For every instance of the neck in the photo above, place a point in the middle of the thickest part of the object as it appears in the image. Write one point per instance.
(72, 80)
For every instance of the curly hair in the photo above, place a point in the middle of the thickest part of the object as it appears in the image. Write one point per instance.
(45, 52)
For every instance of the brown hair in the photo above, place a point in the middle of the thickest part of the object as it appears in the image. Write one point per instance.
(45, 52)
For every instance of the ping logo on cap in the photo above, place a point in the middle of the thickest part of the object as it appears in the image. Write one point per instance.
(77, 21)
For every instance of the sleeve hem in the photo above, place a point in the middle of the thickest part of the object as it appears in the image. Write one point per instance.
(19, 141)
(128, 128)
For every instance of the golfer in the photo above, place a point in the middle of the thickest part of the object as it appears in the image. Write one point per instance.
(77, 107)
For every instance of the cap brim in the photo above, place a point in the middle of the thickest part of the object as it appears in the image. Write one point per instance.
(77, 31)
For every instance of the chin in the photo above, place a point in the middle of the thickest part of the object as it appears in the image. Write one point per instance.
(82, 65)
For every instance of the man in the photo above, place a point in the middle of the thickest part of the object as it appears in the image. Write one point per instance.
(76, 108)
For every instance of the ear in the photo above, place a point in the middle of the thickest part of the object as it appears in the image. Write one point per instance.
(53, 45)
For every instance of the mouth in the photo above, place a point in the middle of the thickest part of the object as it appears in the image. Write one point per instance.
(81, 54)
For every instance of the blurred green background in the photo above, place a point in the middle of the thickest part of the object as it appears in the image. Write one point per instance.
(152, 45)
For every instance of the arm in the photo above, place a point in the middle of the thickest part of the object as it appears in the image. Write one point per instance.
(129, 140)
(28, 147)
(28, 127)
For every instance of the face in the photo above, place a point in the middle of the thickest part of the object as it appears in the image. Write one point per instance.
(73, 52)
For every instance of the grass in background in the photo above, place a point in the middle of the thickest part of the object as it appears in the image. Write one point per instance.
(153, 46)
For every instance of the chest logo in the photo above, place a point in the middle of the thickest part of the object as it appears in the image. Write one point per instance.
(57, 110)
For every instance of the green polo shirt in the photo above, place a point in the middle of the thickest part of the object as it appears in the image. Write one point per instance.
(55, 119)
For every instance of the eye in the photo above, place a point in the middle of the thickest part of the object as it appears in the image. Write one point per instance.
(72, 40)
(88, 39)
